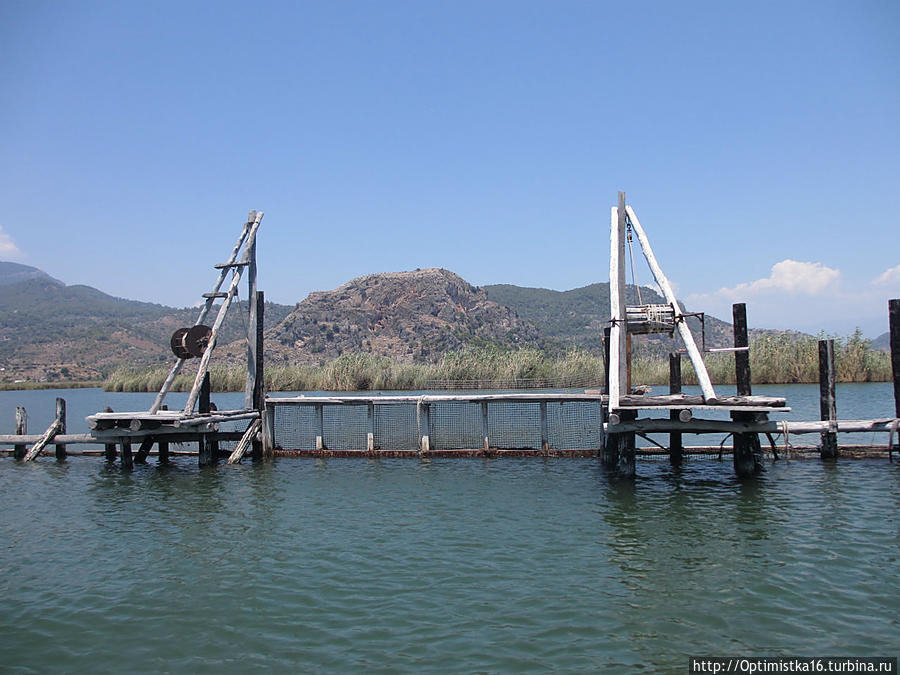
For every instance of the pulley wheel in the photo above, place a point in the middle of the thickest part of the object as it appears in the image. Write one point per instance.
(178, 345)
(197, 339)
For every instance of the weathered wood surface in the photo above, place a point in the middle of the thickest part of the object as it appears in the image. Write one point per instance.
(617, 376)
(45, 438)
(827, 400)
(686, 400)
(741, 346)
(21, 430)
(681, 325)
(173, 373)
(248, 437)
(894, 320)
(220, 317)
(702, 426)
(676, 449)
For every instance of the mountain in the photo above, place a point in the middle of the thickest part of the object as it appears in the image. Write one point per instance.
(14, 273)
(882, 343)
(578, 317)
(50, 331)
(407, 316)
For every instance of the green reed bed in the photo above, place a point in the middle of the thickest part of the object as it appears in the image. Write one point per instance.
(774, 359)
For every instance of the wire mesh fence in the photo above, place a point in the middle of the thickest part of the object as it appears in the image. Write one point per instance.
(411, 423)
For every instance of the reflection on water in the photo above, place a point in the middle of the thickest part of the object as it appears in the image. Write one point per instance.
(442, 564)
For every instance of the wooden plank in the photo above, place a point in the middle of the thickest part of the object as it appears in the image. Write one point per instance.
(269, 432)
(253, 346)
(702, 426)
(173, 373)
(238, 453)
(61, 418)
(320, 423)
(617, 374)
(45, 438)
(680, 324)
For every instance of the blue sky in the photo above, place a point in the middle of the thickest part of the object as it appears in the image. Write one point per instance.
(758, 143)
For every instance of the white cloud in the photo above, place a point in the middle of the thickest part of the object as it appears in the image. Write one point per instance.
(8, 248)
(890, 277)
(790, 276)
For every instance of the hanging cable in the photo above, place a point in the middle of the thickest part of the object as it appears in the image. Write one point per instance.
(631, 255)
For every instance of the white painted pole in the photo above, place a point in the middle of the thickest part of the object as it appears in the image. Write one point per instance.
(617, 371)
(684, 331)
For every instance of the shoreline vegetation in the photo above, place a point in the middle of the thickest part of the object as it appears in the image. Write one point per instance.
(774, 359)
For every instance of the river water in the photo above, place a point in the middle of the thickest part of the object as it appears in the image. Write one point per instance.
(440, 565)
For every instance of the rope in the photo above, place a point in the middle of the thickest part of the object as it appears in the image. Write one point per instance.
(631, 255)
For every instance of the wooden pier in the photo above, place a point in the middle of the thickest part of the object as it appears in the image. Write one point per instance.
(603, 423)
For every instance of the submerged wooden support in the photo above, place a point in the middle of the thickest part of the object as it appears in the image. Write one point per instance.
(684, 331)
(207, 444)
(827, 400)
(127, 457)
(20, 449)
(144, 450)
(55, 426)
(747, 455)
(61, 417)
(250, 434)
(163, 456)
(618, 452)
(259, 381)
(676, 449)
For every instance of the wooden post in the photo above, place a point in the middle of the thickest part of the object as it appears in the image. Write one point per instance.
(20, 449)
(617, 375)
(370, 426)
(163, 456)
(827, 401)
(259, 384)
(109, 448)
(144, 450)
(747, 452)
(127, 458)
(545, 436)
(426, 427)
(894, 318)
(484, 425)
(628, 383)
(681, 325)
(320, 419)
(253, 341)
(676, 449)
(606, 337)
(269, 432)
(741, 358)
(207, 447)
(619, 448)
(61, 418)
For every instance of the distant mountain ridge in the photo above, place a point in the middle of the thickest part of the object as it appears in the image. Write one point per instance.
(50, 331)
(14, 273)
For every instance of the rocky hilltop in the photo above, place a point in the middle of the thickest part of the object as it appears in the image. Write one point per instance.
(404, 315)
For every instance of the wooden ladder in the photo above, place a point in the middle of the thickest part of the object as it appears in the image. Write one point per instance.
(247, 243)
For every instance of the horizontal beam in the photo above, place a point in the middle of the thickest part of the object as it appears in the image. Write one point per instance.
(700, 426)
